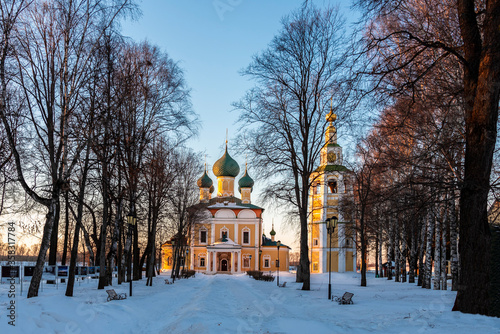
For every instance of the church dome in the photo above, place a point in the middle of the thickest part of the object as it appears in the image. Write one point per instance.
(226, 166)
(205, 181)
(246, 181)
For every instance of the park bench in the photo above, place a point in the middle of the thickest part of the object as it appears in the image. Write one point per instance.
(283, 285)
(345, 299)
(112, 295)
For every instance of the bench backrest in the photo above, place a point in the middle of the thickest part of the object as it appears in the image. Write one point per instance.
(111, 293)
(347, 295)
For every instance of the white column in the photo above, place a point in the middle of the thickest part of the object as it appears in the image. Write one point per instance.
(191, 261)
(256, 261)
(232, 262)
(236, 232)
(341, 234)
(240, 262)
(212, 234)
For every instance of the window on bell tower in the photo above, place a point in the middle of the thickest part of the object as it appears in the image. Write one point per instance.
(332, 186)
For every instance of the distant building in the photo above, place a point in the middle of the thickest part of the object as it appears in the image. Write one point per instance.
(230, 239)
(330, 183)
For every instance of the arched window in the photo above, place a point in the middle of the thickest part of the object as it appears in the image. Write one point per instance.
(202, 260)
(203, 236)
(332, 186)
(246, 261)
(246, 236)
(224, 232)
(267, 261)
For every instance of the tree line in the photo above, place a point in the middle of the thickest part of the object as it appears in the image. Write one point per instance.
(92, 131)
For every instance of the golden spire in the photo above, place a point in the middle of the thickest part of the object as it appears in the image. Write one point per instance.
(331, 117)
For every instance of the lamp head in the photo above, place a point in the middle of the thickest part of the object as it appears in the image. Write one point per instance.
(331, 222)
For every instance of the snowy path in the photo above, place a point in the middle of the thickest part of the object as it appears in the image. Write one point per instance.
(239, 304)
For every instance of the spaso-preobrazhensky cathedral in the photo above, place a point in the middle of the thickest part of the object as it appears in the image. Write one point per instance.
(230, 239)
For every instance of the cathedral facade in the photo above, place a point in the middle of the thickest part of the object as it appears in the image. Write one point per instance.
(330, 182)
(229, 238)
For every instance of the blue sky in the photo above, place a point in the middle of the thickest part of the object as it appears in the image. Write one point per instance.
(213, 40)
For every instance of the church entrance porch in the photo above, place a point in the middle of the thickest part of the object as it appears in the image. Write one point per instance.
(223, 265)
(224, 261)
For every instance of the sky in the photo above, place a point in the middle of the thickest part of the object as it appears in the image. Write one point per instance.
(213, 40)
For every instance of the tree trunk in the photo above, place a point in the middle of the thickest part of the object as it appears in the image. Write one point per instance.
(78, 225)
(481, 91)
(413, 252)
(380, 243)
(303, 271)
(55, 233)
(421, 250)
(454, 247)
(363, 245)
(397, 253)
(404, 253)
(66, 227)
(390, 248)
(444, 237)
(376, 256)
(428, 252)
(44, 246)
(437, 254)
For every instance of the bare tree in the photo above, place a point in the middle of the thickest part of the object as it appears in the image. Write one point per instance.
(465, 32)
(183, 197)
(52, 59)
(283, 116)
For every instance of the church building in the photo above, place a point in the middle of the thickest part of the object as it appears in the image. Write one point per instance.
(330, 182)
(229, 239)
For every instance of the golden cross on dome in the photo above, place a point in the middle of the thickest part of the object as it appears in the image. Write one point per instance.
(331, 117)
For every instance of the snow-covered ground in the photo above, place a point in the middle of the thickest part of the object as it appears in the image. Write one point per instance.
(239, 304)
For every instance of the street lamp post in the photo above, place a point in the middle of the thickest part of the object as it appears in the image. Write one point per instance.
(131, 220)
(278, 264)
(331, 223)
(250, 264)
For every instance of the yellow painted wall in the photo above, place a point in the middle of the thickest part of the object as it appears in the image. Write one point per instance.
(166, 257)
(230, 228)
(196, 236)
(348, 261)
(252, 260)
(315, 262)
(197, 253)
(334, 261)
(334, 240)
(273, 253)
(315, 234)
(241, 227)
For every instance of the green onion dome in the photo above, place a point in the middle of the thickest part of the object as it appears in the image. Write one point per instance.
(205, 181)
(272, 231)
(246, 181)
(226, 166)
(212, 189)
